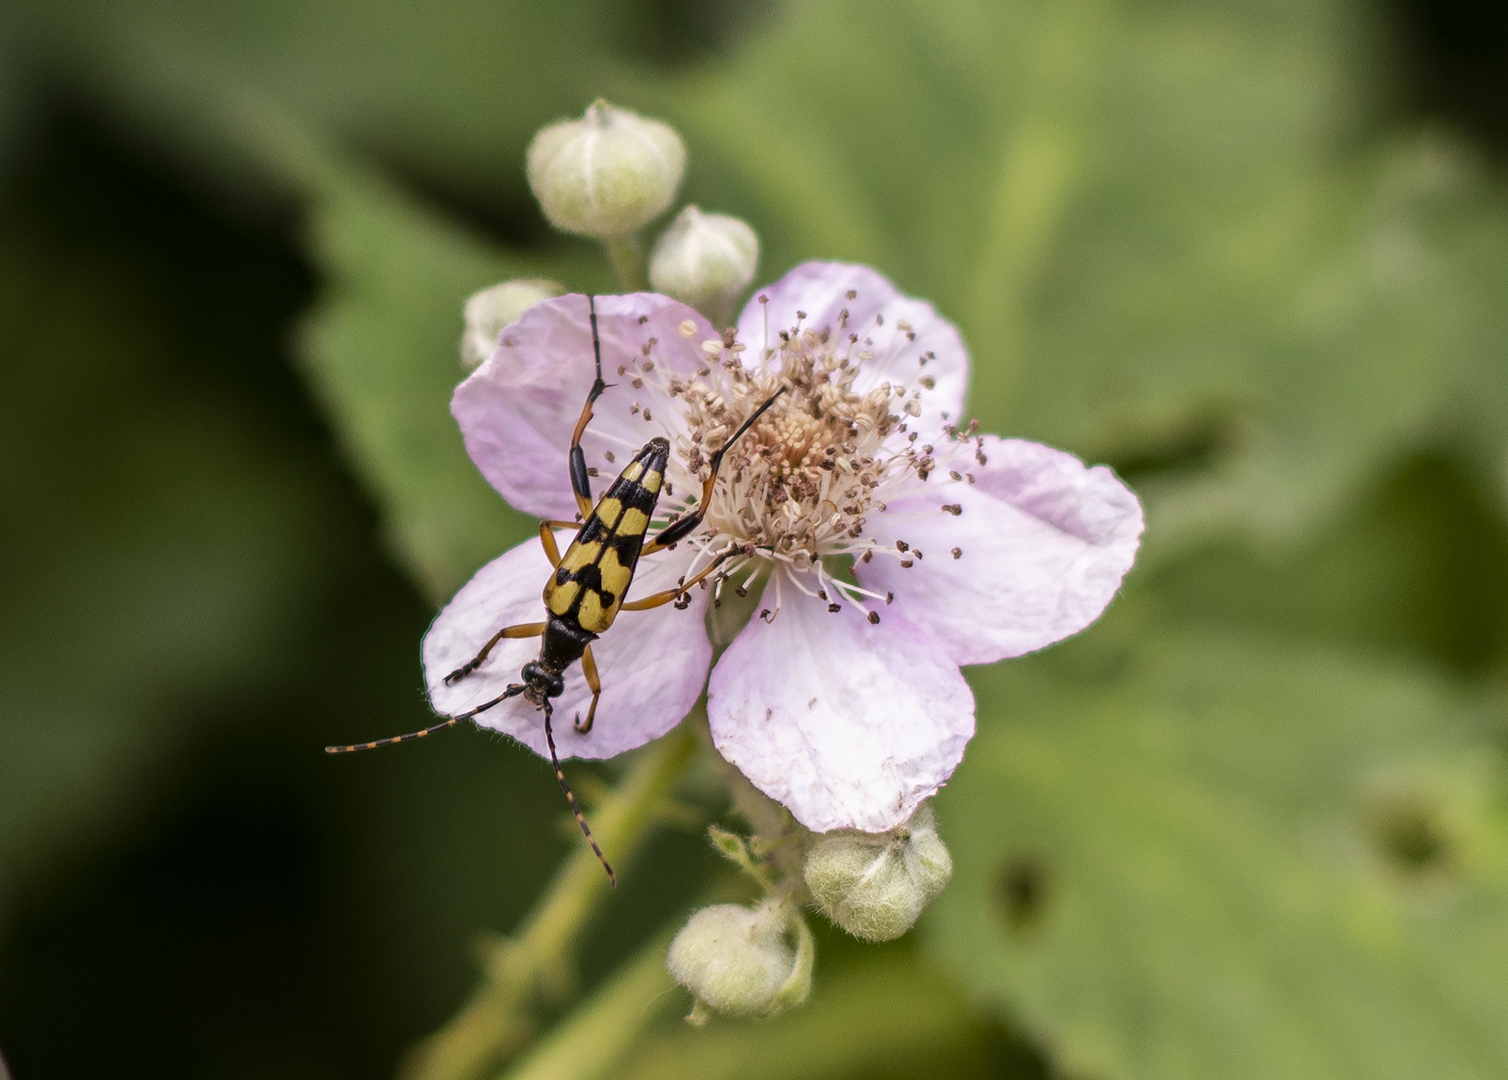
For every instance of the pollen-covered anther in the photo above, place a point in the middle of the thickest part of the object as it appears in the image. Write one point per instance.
(800, 483)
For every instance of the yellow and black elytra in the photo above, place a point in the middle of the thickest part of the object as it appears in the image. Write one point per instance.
(585, 593)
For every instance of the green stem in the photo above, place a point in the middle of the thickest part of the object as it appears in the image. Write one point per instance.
(598, 1034)
(497, 1020)
(628, 263)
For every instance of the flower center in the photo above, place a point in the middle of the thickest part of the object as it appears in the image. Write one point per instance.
(800, 486)
(800, 483)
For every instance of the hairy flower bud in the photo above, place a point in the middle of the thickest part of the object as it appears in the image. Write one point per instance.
(488, 311)
(875, 886)
(743, 960)
(607, 174)
(705, 260)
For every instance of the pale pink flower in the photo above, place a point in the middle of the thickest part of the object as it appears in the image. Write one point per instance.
(893, 543)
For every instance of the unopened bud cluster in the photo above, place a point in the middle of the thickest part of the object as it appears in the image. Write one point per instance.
(612, 172)
(875, 886)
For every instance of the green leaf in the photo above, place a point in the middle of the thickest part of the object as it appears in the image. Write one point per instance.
(1418, 567)
(1167, 230)
(453, 90)
(382, 352)
(1139, 216)
(160, 538)
(1223, 858)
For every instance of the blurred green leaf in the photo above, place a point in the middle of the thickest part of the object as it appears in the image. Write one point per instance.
(1139, 216)
(452, 89)
(1418, 567)
(157, 539)
(1217, 857)
(382, 351)
(1169, 231)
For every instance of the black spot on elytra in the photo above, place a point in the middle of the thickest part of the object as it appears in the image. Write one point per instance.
(633, 495)
(592, 531)
(590, 577)
(627, 548)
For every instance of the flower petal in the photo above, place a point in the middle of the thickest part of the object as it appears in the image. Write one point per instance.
(820, 289)
(653, 664)
(848, 724)
(1045, 542)
(517, 410)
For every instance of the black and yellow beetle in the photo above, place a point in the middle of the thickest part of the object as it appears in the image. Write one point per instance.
(586, 591)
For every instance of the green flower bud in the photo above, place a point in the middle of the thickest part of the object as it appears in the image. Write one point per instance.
(705, 260)
(488, 311)
(875, 886)
(743, 960)
(607, 174)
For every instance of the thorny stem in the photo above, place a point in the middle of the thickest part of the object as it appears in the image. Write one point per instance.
(628, 263)
(496, 1021)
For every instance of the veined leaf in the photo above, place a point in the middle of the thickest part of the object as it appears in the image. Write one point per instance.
(382, 351)
(1224, 858)
(1139, 216)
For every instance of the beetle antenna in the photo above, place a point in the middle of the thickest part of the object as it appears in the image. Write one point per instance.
(586, 831)
(451, 721)
(441, 726)
(717, 458)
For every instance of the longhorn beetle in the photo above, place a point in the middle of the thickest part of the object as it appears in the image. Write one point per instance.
(585, 593)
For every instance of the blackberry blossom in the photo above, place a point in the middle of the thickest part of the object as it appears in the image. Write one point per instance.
(891, 540)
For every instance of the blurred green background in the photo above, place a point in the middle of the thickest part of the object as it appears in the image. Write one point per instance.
(1254, 253)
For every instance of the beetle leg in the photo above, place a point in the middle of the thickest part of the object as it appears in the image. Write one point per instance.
(547, 538)
(654, 600)
(581, 483)
(594, 683)
(522, 630)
